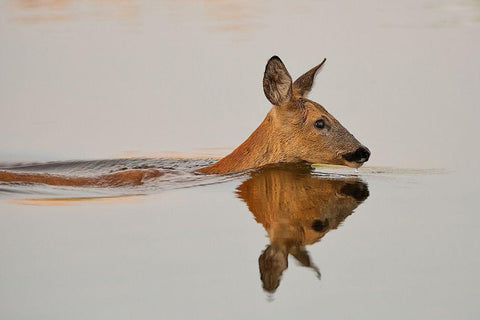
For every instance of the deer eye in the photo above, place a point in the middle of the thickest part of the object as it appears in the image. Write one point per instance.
(320, 124)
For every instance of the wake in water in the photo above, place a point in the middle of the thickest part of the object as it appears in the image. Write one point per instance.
(125, 177)
(100, 178)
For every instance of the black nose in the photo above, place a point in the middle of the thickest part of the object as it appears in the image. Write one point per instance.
(360, 155)
(363, 154)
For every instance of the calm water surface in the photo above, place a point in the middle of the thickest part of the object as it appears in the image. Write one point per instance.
(133, 81)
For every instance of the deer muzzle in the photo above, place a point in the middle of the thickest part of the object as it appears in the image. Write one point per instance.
(358, 157)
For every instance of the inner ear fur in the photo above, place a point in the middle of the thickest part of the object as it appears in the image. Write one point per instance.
(303, 85)
(277, 83)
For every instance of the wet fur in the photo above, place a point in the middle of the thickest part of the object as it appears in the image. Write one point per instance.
(117, 179)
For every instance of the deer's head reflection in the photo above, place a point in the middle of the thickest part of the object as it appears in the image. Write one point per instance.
(296, 209)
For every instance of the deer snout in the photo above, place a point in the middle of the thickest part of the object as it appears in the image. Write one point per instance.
(359, 156)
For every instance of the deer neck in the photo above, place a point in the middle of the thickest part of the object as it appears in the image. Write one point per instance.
(264, 146)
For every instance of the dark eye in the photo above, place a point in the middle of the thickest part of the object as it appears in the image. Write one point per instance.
(320, 124)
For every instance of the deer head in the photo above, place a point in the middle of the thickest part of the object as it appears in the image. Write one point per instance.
(295, 130)
(314, 135)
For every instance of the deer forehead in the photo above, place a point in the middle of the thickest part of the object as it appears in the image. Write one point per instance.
(305, 111)
(316, 110)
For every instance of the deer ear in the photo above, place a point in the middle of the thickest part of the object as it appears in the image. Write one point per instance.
(277, 83)
(303, 85)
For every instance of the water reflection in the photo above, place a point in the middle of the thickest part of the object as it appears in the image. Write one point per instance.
(296, 209)
(222, 15)
(233, 15)
(40, 11)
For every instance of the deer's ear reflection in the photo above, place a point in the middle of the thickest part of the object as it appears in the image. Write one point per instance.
(296, 209)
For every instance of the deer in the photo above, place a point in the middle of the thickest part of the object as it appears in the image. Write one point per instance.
(296, 209)
(295, 130)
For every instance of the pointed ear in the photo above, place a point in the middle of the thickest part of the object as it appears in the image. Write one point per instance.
(303, 85)
(277, 83)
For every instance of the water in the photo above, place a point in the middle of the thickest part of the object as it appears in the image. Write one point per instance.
(173, 85)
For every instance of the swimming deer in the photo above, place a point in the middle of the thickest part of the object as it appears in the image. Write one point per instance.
(295, 130)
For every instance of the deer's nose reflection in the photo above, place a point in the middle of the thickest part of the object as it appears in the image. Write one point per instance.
(297, 209)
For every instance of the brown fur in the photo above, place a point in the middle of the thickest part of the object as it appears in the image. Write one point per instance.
(117, 179)
(296, 209)
(288, 133)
